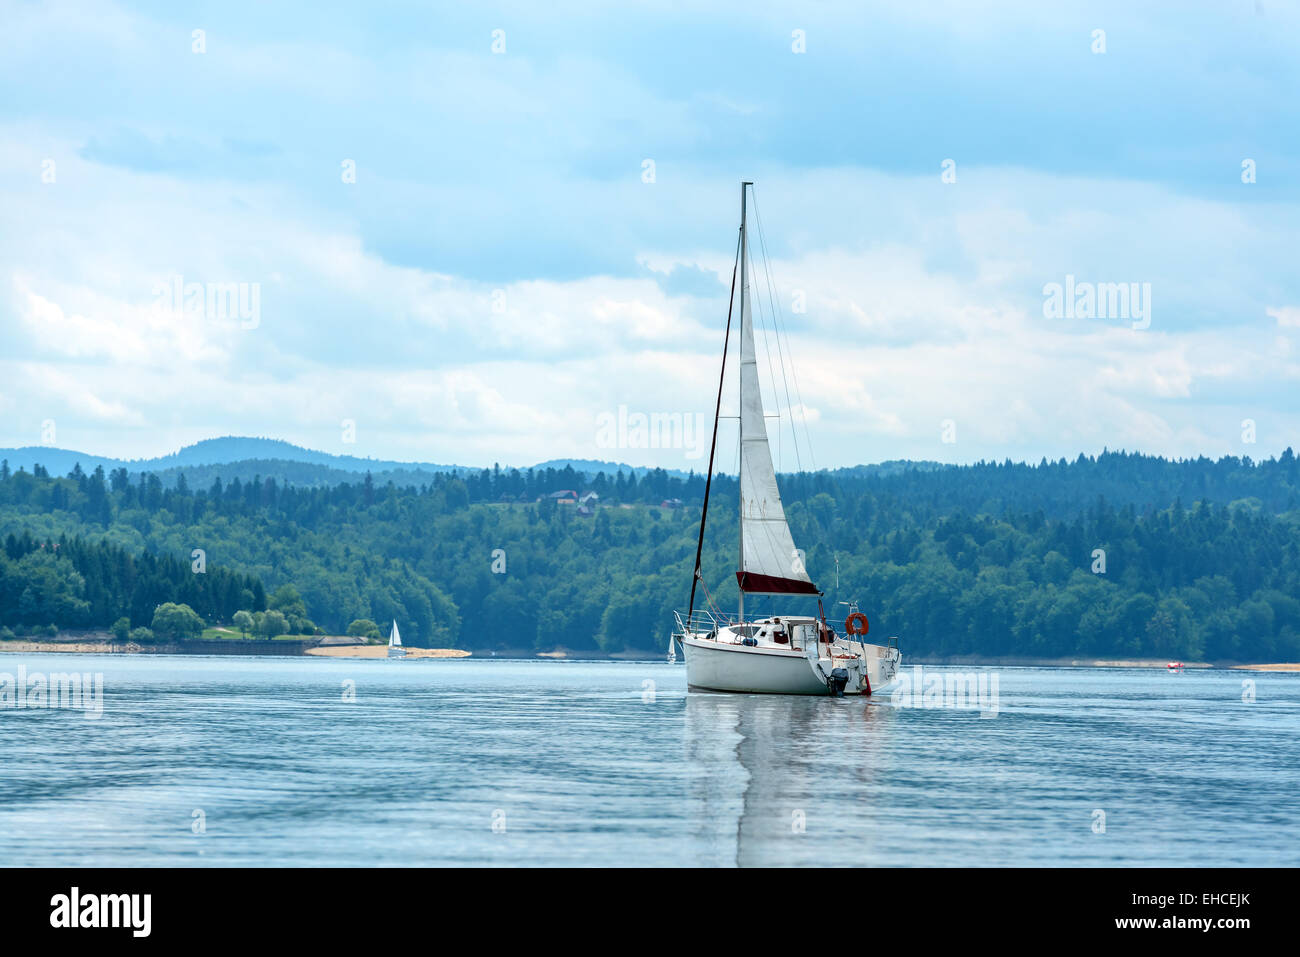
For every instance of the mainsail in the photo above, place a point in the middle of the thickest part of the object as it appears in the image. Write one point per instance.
(769, 562)
(394, 637)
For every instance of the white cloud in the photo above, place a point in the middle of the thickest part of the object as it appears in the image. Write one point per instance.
(520, 175)
(890, 346)
(1287, 316)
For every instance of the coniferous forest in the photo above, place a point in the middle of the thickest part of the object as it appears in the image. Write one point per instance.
(1115, 555)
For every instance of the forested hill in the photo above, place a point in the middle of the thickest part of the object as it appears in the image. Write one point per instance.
(1123, 555)
(1064, 488)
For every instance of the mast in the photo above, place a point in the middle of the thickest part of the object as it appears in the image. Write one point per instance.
(744, 301)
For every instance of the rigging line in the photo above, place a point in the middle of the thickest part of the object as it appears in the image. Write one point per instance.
(708, 482)
(777, 324)
(771, 374)
(708, 598)
(781, 352)
(794, 374)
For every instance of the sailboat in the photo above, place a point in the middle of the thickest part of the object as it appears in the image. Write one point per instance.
(778, 654)
(395, 649)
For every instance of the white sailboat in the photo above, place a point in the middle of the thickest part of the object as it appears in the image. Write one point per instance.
(785, 654)
(395, 649)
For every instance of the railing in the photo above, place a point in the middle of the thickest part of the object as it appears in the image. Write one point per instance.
(702, 620)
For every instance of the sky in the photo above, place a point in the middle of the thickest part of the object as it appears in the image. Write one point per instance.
(503, 232)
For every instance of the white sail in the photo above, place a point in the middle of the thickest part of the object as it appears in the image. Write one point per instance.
(769, 562)
(394, 637)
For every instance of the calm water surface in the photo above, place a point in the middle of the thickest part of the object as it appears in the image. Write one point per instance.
(583, 764)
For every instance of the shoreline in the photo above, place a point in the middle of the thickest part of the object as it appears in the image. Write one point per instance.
(23, 646)
(381, 651)
(1017, 661)
(316, 649)
(251, 647)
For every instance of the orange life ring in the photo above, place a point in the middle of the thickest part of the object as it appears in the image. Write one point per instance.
(853, 619)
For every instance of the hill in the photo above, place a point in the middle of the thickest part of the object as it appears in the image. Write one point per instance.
(1115, 555)
(246, 458)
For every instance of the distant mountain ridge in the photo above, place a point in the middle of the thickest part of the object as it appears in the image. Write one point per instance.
(233, 456)
(219, 451)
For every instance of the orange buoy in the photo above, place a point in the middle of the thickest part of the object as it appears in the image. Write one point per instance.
(856, 623)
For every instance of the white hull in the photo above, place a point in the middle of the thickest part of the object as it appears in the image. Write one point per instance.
(719, 667)
(719, 664)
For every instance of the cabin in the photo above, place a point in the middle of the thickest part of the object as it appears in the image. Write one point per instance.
(565, 497)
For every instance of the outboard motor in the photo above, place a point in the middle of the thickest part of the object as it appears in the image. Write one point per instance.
(836, 682)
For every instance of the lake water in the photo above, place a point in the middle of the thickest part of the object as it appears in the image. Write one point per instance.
(452, 762)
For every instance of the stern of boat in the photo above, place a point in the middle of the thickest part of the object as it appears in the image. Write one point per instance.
(780, 655)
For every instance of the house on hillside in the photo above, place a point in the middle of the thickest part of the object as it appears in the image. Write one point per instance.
(565, 497)
(671, 503)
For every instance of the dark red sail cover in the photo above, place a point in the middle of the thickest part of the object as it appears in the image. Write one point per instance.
(772, 585)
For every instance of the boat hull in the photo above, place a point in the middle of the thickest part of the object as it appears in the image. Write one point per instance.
(717, 666)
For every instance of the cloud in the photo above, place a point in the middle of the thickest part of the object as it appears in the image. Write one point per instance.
(1287, 317)
(499, 275)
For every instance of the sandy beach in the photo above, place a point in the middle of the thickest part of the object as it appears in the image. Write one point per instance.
(1285, 666)
(381, 651)
(100, 647)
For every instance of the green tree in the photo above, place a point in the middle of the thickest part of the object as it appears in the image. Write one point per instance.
(271, 623)
(176, 621)
(364, 628)
(288, 602)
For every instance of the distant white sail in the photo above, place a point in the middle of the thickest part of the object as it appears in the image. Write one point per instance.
(395, 649)
(768, 563)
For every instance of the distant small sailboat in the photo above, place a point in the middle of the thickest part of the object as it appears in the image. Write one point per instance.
(395, 649)
(672, 650)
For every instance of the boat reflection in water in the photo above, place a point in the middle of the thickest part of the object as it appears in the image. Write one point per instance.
(780, 780)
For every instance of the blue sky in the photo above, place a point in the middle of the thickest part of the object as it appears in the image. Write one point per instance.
(499, 276)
